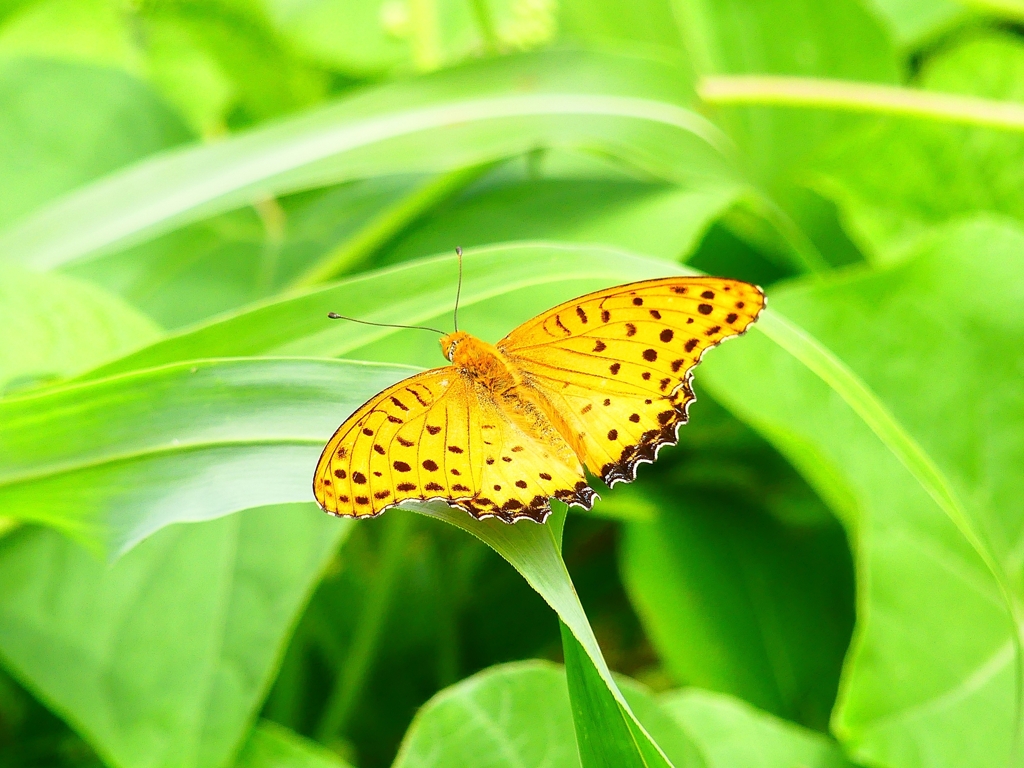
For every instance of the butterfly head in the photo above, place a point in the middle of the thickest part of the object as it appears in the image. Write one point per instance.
(450, 341)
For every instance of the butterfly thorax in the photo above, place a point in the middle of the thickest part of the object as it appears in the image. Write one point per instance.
(483, 362)
(489, 368)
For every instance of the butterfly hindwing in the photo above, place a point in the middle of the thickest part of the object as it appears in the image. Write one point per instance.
(617, 363)
(438, 435)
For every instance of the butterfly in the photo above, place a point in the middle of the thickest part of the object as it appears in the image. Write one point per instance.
(599, 383)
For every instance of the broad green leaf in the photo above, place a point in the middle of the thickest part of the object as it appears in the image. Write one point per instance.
(112, 461)
(793, 37)
(894, 178)
(736, 601)
(515, 714)
(931, 677)
(163, 658)
(57, 326)
(273, 746)
(627, 107)
(503, 285)
(676, 742)
(116, 119)
(731, 733)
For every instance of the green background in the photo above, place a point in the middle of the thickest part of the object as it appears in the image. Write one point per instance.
(827, 571)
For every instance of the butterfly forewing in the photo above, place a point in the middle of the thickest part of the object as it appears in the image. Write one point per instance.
(617, 363)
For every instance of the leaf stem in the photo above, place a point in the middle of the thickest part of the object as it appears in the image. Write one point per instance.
(820, 93)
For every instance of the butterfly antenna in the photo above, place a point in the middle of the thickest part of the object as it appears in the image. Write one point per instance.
(336, 316)
(458, 291)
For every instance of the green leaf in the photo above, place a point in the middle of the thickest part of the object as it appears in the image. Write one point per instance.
(517, 714)
(239, 257)
(603, 735)
(57, 326)
(608, 734)
(533, 550)
(653, 219)
(116, 119)
(112, 461)
(162, 658)
(465, 116)
(273, 746)
(514, 714)
(354, 252)
(731, 733)
(736, 601)
(503, 285)
(894, 179)
(932, 669)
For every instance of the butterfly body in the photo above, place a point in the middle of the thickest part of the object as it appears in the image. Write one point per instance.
(601, 382)
(486, 367)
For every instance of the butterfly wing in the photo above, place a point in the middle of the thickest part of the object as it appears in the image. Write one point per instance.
(439, 435)
(617, 364)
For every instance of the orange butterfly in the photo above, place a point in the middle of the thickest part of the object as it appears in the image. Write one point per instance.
(601, 382)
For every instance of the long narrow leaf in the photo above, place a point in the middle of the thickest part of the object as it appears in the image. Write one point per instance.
(468, 116)
(533, 550)
(112, 461)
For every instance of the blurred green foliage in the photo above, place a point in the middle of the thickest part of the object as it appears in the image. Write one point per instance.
(826, 572)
